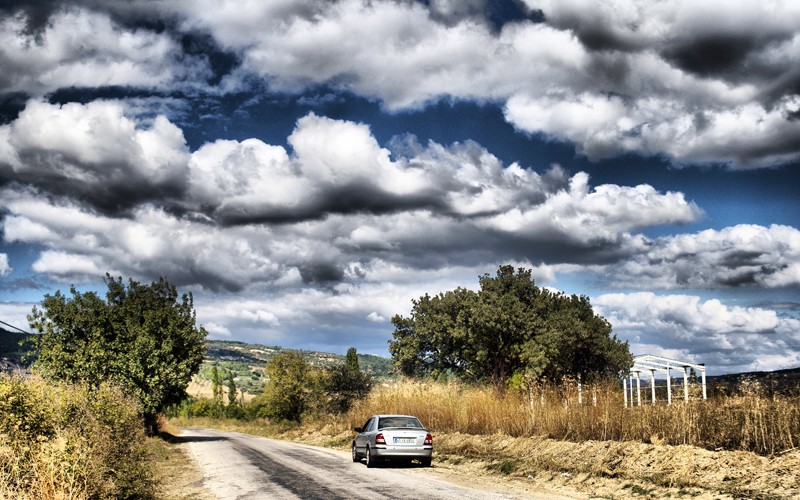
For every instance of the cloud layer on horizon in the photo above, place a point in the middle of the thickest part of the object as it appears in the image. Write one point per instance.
(686, 327)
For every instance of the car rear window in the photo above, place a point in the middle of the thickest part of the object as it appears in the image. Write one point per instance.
(399, 422)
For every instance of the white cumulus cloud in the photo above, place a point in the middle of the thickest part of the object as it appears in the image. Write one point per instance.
(742, 255)
(79, 47)
(5, 267)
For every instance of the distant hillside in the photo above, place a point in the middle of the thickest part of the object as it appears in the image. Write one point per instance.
(247, 362)
(259, 354)
(777, 379)
(11, 352)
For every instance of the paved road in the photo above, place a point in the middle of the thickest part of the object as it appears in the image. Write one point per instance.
(241, 467)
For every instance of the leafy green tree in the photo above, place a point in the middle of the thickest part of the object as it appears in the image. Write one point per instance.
(510, 326)
(204, 408)
(285, 395)
(347, 383)
(216, 383)
(351, 360)
(234, 409)
(217, 390)
(231, 389)
(141, 337)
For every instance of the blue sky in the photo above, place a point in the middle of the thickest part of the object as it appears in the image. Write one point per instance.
(306, 168)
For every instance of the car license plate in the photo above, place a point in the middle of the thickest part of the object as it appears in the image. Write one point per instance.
(404, 440)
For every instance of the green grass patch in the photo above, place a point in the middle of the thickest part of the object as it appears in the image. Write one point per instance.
(506, 467)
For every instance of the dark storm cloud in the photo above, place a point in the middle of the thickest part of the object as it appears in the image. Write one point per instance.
(36, 12)
(321, 273)
(552, 64)
(357, 198)
(95, 154)
(113, 190)
(711, 55)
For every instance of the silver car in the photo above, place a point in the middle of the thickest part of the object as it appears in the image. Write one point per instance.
(392, 437)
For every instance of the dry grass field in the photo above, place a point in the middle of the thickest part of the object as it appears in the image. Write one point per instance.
(748, 420)
(741, 445)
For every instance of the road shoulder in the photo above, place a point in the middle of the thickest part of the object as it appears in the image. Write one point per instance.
(180, 477)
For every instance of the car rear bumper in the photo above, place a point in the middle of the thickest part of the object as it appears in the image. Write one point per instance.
(402, 452)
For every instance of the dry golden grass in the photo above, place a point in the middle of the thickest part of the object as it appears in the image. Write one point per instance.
(749, 421)
(545, 434)
(70, 442)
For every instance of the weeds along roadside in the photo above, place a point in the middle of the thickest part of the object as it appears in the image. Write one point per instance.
(546, 432)
(70, 441)
(750, 420)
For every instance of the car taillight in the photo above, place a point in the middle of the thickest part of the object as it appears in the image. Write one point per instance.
(428, 440)
(379, 439)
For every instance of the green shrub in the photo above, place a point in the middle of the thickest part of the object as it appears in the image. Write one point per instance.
(204, 408)
(235, 411)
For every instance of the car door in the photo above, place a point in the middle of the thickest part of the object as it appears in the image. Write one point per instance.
(362, 438)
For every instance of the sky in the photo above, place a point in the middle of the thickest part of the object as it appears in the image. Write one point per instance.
(306, 168)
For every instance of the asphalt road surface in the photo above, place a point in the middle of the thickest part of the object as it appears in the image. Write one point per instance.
(241, 467)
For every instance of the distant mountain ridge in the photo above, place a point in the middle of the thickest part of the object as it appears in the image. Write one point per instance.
(247, 362)
(221, 351)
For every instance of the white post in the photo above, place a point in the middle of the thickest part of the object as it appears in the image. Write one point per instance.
(631, 389)
(703, 371)
(638, 389)
(580, 391)
(625, 391)
(669, 387)
(686, 383)
(594, 394)
(653, 384)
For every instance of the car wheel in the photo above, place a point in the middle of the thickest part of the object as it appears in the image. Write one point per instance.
(426, 462)
(355, 454)
(370, 461)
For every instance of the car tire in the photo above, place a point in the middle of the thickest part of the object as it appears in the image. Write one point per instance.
(355, 454)
(369, 460)
(426, 462)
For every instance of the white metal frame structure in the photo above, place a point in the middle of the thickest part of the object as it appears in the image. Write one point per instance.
(653, 364)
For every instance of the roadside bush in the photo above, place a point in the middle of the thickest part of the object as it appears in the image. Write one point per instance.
(294, 388)
(234, 411)
(204, 408)
(60, 440)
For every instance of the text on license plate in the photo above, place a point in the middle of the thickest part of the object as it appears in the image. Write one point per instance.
(404, 440)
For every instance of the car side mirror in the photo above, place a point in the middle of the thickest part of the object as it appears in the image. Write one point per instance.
(357, 429)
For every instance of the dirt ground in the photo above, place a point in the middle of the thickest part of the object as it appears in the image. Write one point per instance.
(179, 476)
(592, 469)
(606, 469)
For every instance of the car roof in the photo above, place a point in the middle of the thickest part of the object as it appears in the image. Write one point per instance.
(393, 415)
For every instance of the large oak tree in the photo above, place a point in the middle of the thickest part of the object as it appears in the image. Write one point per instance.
(510, 326)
